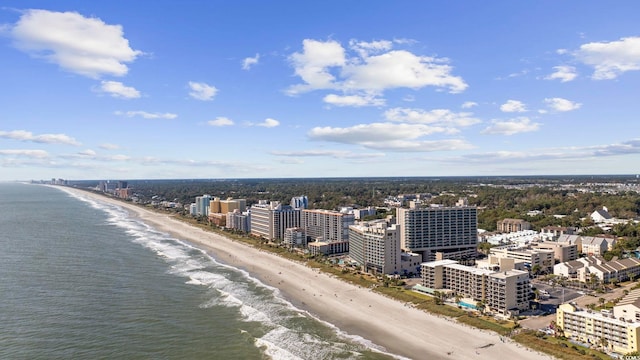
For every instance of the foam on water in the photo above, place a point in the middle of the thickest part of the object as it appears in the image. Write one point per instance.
(274, 351)
(281, 322)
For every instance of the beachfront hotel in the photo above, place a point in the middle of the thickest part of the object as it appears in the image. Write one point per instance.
(270, 219)
(450, 231)
(326, 225)
(616, 330)
(375, 246)
(505, 293)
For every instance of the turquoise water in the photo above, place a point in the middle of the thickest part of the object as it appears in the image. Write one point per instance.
(83, 280)
(467, 305)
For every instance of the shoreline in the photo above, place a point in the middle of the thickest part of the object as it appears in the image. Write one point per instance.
(388, 324)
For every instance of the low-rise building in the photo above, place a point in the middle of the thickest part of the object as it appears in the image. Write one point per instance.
(555, 231)
(601, 215)
(328, 248)
(513, 225)
(583, 269)
(542, 259)
(589, 245)
(606, 330)
(561, 252)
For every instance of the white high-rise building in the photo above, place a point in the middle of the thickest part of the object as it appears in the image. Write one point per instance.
(270, 220)
(375, 246)
(300, 202)
(451, 231)
(202, 205)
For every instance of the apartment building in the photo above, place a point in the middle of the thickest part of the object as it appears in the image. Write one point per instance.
(561, 252)
(513, 225)
(606, 330)
(295, 237)
(202, 205)
(270, 219)
(505, 293)
(589, 245)
(543, 259)
(326, 225)
(584, 268)
(239, 220)
(450, 231)
(375, 247)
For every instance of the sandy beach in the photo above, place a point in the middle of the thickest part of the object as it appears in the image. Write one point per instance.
(390, 324)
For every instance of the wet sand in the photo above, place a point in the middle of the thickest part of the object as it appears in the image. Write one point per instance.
(390, 324)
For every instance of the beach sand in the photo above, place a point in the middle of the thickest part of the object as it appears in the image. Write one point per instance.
(387, 323)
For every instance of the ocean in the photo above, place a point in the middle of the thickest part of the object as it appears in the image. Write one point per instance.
(81, 279)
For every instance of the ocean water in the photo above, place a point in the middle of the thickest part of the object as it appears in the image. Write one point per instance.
(81, 279)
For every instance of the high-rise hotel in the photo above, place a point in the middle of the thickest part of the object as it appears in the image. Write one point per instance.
(449, 232)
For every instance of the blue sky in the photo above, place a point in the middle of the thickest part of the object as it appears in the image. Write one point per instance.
(250, 89)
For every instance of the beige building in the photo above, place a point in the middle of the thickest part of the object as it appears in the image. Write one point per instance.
(616, 331)
(513, 225)
(561, 251)
(375, 246)
(543, 259)
(326, 225)
(496, 263)
(217, 206)
(505, 293)
(589, 245)
(328, 248)
(583, 269)
(230, 204)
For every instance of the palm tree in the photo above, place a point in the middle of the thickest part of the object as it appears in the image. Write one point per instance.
(480, 306)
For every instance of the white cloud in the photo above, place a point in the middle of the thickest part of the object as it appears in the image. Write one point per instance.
(108, 146)
(220, 121)
(202, 91)
(400, 68)
(87, 153)
(511, 127)
(611, 59)
(146, 115)
(563, 73)
(269, 123)
(313, 64)
(562, 105)
(337, 154)
(437, 116)
(388, 136)
(353, 100)
(82, 45)
(327, 66)
(119, 158)
(513, 106)
(23, 135)
(364, 49)
(38, 154)
(119, 90)
(247, 63)
(563, 153)
(469, 104)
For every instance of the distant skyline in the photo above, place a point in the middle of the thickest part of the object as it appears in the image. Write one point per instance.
(269, 89)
